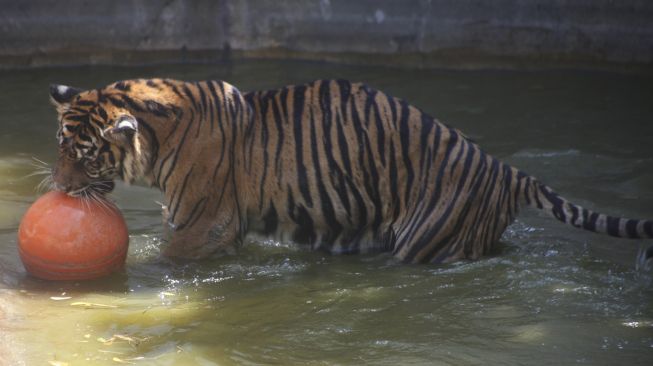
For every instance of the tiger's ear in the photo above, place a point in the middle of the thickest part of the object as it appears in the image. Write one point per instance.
(122, 130)
(61, 96)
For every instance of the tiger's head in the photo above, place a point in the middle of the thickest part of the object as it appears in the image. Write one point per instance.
(99, 139)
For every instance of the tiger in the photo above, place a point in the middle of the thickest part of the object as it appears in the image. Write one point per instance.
(330, 165)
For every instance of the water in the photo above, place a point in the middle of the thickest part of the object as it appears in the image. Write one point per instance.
(552, 295)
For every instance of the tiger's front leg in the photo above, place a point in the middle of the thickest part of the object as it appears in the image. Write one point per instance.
(206, 235)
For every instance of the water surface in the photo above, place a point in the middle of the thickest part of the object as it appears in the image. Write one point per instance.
(551, 295)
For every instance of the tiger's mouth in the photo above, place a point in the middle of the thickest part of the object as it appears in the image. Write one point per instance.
(95, 188)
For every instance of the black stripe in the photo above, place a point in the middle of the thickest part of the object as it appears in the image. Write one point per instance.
(631, 228)
(369, 103)
(177, 151)
(203, 104)
(175, 123)
(556, 201)
(517, 191)
(283, 99)
(290, 203)
(84, 137)
(376, 196)
(195, 214)
(83, 118)
(122, 85)
(276, 116)
(223, 147)
(132, 103)
(648, 228)
(612, 226)
(224, 187)
(425, 131)
(82, 102)
(336, 175)
(591, 222)
(103, 114)
(223, 101)
(96, 122)
(527, 189)
(265, 104)
(496, 228)
(345, 93)
(305, 232)
(574, 215)
(117, 102)
(343, 147)
(249, 136)
(156, 108)
(370, 178)
(360, 203)
(270, 220)
(585, 214)
(302, 177)
(154, 149)
(393, 109)
(163, 161)
(175, 206)
(235, 108)
(211, 105)
(404, 133)
(536, 195)
(214, 104)
(189, 94)
(174, 88)
(394, 190)
(325, 201)
(380, 134)
(425, 180)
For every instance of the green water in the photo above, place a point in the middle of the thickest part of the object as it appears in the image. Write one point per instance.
(553, 295)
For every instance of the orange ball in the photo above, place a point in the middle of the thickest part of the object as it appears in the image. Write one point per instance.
(69, 238)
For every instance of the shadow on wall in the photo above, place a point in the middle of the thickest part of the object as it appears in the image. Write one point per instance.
(460, 33)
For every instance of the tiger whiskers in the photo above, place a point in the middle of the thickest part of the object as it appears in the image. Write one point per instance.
(93, 193)
(46, 184)
(41, 168)
(87, 197)
(39, 163)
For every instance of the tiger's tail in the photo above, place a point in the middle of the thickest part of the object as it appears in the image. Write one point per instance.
(535, 194)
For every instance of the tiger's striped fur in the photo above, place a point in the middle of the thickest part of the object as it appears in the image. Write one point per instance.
(335, 165)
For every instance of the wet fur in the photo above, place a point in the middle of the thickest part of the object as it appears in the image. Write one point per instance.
(331, 164)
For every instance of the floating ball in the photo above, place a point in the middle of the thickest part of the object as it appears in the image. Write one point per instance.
(71, 238)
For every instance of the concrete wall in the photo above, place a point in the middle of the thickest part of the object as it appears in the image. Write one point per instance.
(412, 32)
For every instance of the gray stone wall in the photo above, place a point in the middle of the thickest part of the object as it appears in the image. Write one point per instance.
(412, 32)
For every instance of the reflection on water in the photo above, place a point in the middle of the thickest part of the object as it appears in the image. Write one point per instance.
(552, 295)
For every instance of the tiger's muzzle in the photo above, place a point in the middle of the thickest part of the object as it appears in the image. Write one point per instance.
(69, 176)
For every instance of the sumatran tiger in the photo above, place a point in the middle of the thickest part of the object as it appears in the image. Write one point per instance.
(330, 164)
